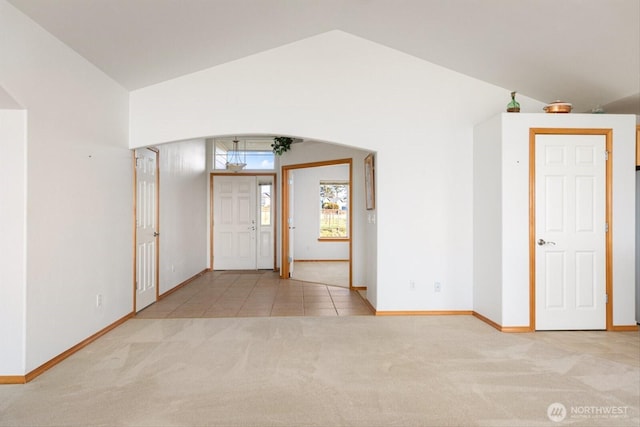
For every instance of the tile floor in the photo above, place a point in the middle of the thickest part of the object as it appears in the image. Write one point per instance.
(255, 294)
(334, 273)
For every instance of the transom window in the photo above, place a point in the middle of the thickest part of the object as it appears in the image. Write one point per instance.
(256, 152)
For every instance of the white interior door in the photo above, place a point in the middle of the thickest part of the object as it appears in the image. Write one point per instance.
(234, 222)
(291, 224)
(146, 227)
(570, 224)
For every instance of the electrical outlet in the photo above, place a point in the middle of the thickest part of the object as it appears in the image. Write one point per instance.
(412, 285)
(437, 287)
(99, 300)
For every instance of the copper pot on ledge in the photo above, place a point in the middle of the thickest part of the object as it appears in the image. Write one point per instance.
(558, 107)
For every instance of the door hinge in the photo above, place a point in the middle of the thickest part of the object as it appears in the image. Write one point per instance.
(606, 227)
(606, 154)
(606, 298)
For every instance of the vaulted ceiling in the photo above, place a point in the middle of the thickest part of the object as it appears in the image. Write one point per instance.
(582, 51)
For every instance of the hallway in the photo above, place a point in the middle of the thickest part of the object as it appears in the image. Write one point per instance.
(255, 294)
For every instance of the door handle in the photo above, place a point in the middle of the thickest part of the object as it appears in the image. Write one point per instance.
(542, 242)
(251, 228)
(156, 234)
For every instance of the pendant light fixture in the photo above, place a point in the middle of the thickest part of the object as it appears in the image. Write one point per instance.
(234, 163)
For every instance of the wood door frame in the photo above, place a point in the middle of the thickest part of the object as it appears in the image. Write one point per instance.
(135, 224)
(284, 266)
(637, 146)
(608, 134)
(274, 199)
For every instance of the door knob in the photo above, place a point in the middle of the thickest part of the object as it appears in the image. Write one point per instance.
(542, 242)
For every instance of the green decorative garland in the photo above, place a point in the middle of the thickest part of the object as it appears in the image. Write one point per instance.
(281, 144)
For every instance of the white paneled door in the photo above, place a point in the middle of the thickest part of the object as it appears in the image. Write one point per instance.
(146, 227)
(235, 223)
(570, 237)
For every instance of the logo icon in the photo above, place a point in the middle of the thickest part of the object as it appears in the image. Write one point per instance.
(556, 412)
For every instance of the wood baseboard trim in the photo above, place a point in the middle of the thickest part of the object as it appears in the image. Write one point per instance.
(516, 329)
(425, 313)
(507, 329)
(59, 358)
(525, 329)
(358, 288)
(366, 301)
(13, 379)
(183, 284)
(624, 328)
(487, 321)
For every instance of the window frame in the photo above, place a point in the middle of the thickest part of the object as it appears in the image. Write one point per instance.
(345, 208)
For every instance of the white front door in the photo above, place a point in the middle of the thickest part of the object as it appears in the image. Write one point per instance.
(146, 227)
(234, 222)
(570, 225)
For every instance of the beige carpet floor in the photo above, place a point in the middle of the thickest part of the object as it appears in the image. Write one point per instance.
(334, 371)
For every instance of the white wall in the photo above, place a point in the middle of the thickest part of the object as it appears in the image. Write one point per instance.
(13, 215)
(515, 209)
(7, 102)
(79, 189)
(307, 214)
(487, 219)
(637, 246)
(183, 212)
(336, 87)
